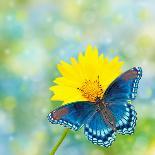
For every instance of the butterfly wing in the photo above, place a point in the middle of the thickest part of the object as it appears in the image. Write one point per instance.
(125, 117)
(119, 95)
(98, 132)
(72, 115)
(124, 87)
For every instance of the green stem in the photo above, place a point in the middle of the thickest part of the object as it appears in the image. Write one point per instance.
(59, 141)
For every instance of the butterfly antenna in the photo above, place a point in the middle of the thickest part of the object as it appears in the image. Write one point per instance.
(97, 80)
(98, 84)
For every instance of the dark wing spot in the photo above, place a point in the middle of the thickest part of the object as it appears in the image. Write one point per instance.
(129, 75)
(59, 113)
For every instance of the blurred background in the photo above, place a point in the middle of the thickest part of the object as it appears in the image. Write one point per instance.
(36, 34)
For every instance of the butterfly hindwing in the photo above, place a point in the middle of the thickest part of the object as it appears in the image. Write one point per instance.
(128, 121)
(125, 117)
(98, 132)
(72, 115)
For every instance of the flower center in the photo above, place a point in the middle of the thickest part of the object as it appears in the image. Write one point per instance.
(91, 90)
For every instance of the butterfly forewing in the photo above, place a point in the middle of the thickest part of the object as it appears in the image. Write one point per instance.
(72, 115)
(125, 87)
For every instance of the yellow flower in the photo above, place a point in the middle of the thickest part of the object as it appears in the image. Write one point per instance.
(85, 79)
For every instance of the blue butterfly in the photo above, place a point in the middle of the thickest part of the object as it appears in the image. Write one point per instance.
(107, 116)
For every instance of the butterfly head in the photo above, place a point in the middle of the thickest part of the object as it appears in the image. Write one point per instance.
(98, 100)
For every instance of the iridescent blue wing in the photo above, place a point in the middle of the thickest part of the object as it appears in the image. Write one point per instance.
(72, 115)
(125, 117)
(124, 87)
(119, 95)
(98, 132)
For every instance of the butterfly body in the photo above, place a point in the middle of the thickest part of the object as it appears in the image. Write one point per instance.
(107, 116)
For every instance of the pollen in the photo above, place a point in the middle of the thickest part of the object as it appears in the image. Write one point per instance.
(91, 90)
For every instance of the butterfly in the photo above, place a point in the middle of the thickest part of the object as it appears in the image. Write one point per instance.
(107, 116)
